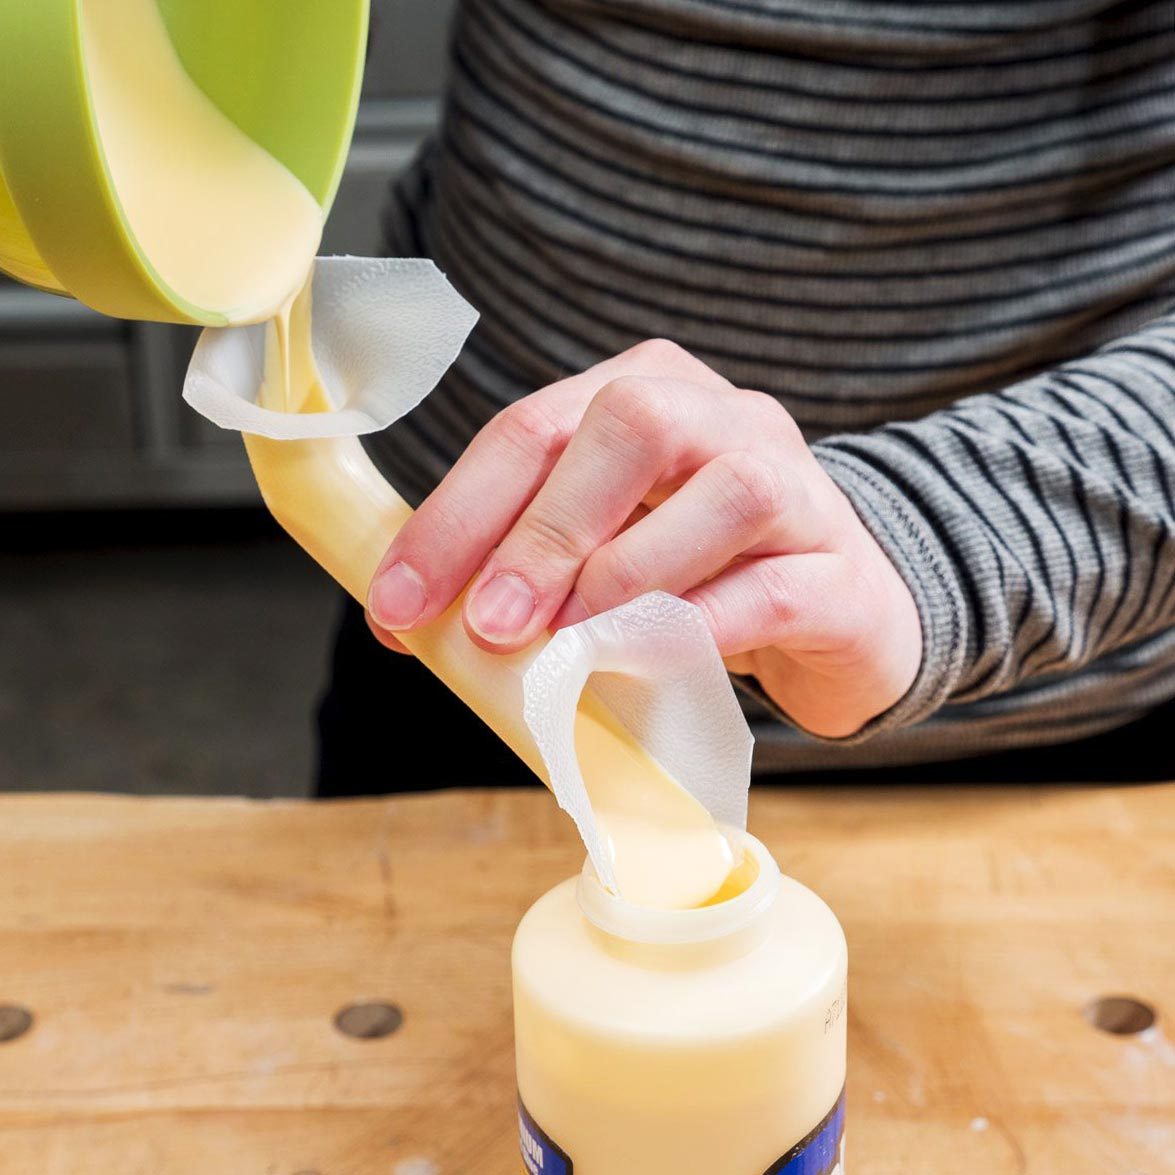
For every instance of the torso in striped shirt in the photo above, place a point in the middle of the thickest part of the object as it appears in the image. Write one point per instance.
(867, 209)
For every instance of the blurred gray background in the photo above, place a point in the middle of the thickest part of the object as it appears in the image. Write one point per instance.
(157, 633)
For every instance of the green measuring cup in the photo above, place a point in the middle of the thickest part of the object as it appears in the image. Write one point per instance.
(286, 72)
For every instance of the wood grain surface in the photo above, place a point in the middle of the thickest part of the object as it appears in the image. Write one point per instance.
(184, 962)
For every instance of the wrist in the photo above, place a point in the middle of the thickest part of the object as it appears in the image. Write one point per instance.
(915, 555)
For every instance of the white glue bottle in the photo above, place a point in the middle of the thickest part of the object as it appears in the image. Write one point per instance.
(708, 1041)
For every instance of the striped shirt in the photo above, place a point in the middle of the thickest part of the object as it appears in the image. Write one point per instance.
(942, 234)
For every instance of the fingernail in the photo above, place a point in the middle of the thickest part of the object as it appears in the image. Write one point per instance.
(571, 613)
(501, 608)
(398, 597)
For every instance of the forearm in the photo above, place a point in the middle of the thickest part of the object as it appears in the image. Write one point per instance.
(1034, 526)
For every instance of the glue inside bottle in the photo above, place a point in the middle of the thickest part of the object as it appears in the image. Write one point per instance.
(707, 1041)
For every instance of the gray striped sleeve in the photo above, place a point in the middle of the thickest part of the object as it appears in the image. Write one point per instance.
(1034, 526)
(886, 215)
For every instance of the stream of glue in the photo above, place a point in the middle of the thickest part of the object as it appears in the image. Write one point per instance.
(250, 231)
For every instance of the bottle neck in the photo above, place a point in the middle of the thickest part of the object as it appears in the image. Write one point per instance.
(733, 925)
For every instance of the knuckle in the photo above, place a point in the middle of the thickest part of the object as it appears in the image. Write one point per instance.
(635, 408)
(778, 596)
(753, 488)
(661, 353)
(665, 358)
(532, 425)
(547, 539)
(775, 415)
(612, 575)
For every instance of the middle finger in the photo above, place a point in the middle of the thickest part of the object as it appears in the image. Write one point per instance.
(633, 432)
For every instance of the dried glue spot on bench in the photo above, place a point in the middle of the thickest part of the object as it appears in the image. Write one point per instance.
(1120, 1015)
(369, 1021)
(416, 1167)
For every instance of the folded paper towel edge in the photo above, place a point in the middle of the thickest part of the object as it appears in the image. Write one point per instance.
(666, 683)
(223, 377)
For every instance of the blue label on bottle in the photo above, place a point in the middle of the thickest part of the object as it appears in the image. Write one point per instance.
(822, 1152)
(540, 1156)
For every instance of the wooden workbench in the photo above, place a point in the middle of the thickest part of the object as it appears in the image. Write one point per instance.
(184, 962)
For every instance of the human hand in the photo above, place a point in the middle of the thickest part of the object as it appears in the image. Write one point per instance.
(651, 471)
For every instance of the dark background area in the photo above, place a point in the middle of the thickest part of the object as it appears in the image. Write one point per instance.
(157, 632)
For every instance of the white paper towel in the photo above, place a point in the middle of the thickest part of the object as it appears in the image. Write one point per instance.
(658, 670)
(384, 331)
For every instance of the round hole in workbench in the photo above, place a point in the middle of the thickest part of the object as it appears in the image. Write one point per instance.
(1122, 1015)
(14, 1021)
(369, 1021)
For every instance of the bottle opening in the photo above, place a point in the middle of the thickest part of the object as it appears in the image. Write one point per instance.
(749, 891)
(739, 880)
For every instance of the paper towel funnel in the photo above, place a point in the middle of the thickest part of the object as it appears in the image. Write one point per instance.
(384, 331)
(654, 664)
